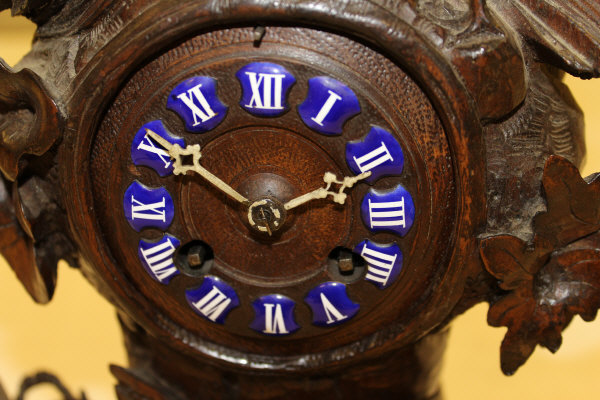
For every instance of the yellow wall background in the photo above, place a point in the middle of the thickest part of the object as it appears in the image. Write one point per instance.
(76, 336)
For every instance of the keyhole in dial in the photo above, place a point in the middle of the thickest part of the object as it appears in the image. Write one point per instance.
(195, 258)
(346, 266)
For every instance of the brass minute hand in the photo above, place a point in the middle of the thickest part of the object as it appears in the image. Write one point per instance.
(176, 152)
(329, 178)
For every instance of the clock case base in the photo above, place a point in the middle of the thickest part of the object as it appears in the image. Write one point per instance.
(156, 371)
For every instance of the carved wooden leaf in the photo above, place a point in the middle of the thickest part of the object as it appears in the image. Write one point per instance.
(573, 206)
(554, 277)
(509, 260)
(544, 304)
(565, 31)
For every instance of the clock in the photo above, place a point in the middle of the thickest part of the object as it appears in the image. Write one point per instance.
(295, 196)
(267, 195)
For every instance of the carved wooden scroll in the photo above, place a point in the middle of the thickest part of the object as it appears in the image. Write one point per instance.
(29, 118)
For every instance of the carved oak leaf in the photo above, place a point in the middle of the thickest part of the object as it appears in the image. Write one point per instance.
(564, 32)
(28, 118)
(553, 278)
(542, 305)
(573, 205)
(509, 259)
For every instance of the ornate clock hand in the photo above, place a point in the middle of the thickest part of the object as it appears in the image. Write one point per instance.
(176, 152)
(329, 178)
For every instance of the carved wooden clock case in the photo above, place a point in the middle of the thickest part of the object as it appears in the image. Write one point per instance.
(294, 198)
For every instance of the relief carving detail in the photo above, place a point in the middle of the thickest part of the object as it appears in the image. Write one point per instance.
(545, 282)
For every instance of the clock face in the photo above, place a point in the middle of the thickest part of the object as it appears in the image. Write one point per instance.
(260, 197)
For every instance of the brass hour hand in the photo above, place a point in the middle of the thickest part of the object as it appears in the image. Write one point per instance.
(329, 178)
(176, 152)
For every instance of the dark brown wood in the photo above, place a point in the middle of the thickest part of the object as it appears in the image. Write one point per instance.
(414, 371)
(17, 248)
(554, 277)
(565, 34)
(471, 91)
(30, 124)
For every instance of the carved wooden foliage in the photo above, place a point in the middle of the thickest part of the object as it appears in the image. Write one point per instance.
(572, 203)
(546, 282)
(567, 32)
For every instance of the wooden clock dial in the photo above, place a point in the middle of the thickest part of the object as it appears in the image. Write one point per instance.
(387, 232)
